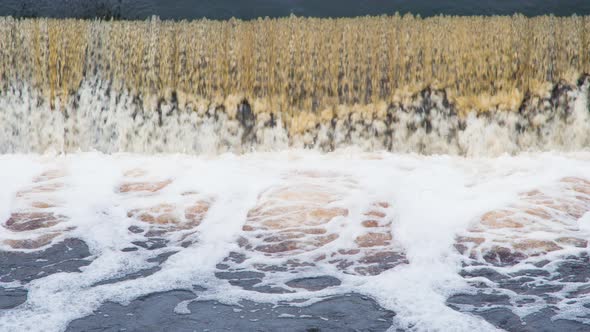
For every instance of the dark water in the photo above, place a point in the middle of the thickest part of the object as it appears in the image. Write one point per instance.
(248, 9)
(344, 312)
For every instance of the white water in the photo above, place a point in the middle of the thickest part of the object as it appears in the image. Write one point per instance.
(432, 200)
(111, 121)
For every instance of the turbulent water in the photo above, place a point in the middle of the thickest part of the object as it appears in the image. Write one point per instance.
(376, 173)
(470, 86)
(99, 121)
(411, 232)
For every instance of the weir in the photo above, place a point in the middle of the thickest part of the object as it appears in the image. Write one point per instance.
(458, 85)
(371, 236)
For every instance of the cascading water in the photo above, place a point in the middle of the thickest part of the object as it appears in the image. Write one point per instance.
(370, 173)
(467, 86)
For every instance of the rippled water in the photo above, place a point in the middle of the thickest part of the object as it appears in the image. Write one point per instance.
(224, 9)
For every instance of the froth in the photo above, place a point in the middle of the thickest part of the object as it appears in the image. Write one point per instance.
(109, 121)
(389, 226)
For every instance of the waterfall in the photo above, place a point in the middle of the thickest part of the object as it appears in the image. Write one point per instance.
(456, 85)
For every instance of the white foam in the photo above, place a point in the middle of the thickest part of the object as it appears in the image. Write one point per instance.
(99, 119)
(432, 200)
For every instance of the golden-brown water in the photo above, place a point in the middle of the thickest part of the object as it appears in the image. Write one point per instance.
(302, 72)
(303, 64)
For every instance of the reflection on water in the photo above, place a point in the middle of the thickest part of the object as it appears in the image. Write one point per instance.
(224, 9)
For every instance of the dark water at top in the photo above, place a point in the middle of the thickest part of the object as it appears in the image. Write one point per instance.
(248, 9)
